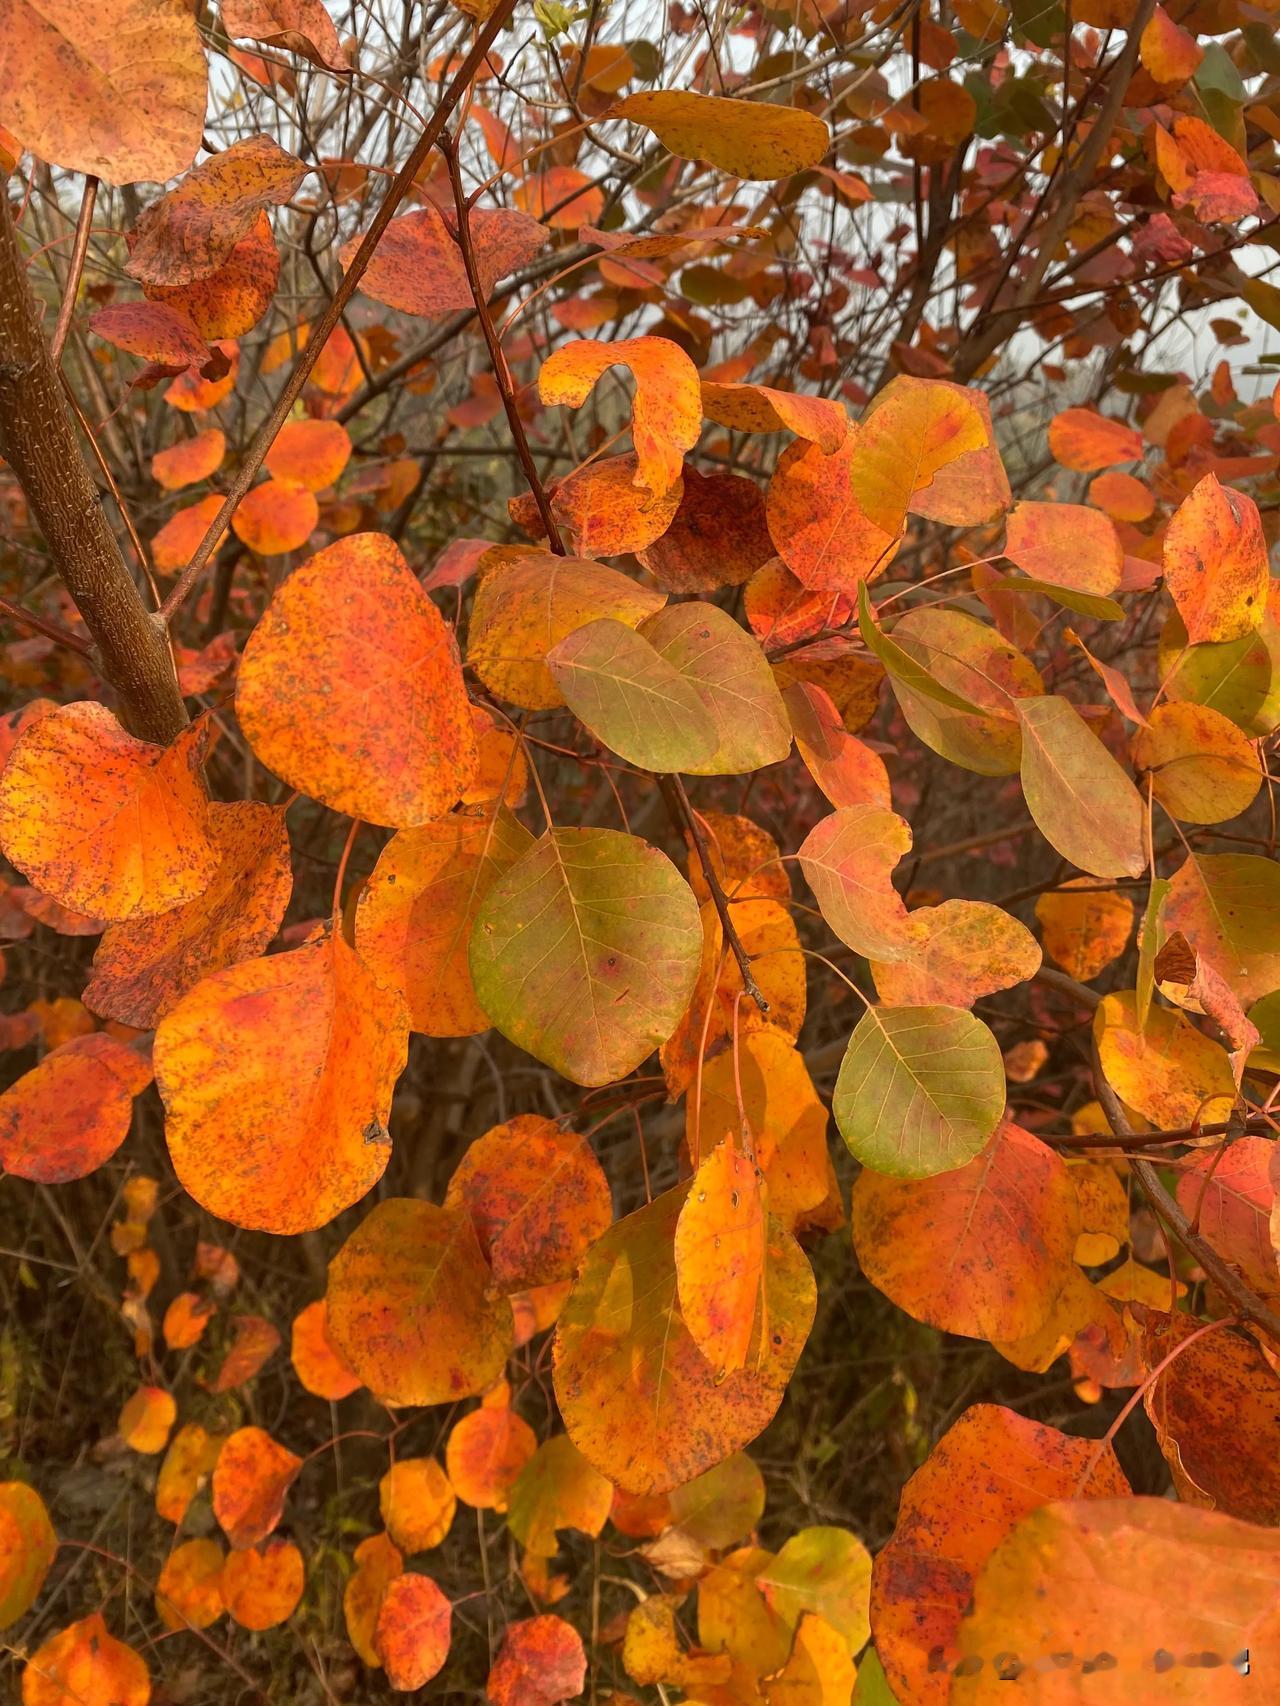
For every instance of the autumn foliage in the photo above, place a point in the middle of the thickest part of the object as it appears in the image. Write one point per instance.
(640, 998)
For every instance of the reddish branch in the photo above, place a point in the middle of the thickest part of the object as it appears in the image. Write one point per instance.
(501, 372)
(265, 436)
(1247, 1304)
(38, 440)
(686, 820)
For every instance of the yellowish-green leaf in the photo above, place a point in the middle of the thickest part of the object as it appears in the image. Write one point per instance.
(1084, 805)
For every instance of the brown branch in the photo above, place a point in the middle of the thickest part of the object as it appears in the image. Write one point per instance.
(38, 440)
(501, 372)
(265, 436)
(80, 249)
(1245, 1302)
(51, 630)
(686, 821)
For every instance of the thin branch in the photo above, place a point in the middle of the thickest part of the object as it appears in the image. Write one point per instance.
(263, 439)
(686, 821)
(1246, 1303)
(51, 630)
(72, 288)
(501, 372)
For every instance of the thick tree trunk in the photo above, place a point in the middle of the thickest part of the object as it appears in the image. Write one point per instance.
(38, 440)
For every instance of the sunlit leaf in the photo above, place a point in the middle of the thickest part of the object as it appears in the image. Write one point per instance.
(637, 1395)
(537, 1197)
(144, 966)
(920, 1090)
(987, 1471)
(982, 1250)
(413, 1630)
(967, 949)
(251, 1478)
(27, 1548)
(261, 1585)
(84, 1665)
(1215, 563)
(350, 688)
(631, 698)
(848, 859)
(528, 601)
(667, 413)
(728, 671)
(69, 1115)
(750, 139)
(541, 1662)
(719, 1255)
(1084, 805)
(411, 1305)
(106, 824)
(585, 951)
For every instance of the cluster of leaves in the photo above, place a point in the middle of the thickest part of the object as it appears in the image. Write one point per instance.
(828, 588)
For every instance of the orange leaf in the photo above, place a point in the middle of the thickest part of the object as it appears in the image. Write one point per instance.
(928, 1243)
(107, 824)
(69, 1115)
(820, 530)
(969, 948)
(667, 413)
(1067, 545)
(540, 1662)
(351, 690)
(413, 1630)
(1084, 927)
(189, 1590)
(143, 967)
(719, 1253)
(84, 1665)
(189, 232)
(561, 197)
(717, 537)
(1170, 53)
(276, 1076)
(413, 923)
(319, 1367)
(153, 331)
(638, 1397)
(255, 1340)
(537, 1197)
(485, 1454)
(117, 90)
(276, 517)
(229, 301)
(175, 544)
(1092, 1577)
(761, 408)
(378, 1563)
(190, 460)
(412, 1308)
(990, 1469)
(186, 1319)
(925, 446)
(27, 1548)
(309, 453)
(1086, 441)
(261, 1585)
(192, 1453)
(417, 1503)
(147, 1418)
(297, 26)
(1215, 563)
(250, 1479)
(418, 266)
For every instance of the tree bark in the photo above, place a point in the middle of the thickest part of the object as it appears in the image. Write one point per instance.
(38, 440)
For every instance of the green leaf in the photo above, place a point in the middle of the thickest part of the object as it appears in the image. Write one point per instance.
(903, 667)
(638, 1397)
(826, 1571)
(1084, 603)
(631, 698)
(731, 675)
(586, 951)
(920, 1091)
(1084, 805)
(873, 1685)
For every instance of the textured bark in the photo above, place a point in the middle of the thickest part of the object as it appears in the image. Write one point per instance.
(38, 440)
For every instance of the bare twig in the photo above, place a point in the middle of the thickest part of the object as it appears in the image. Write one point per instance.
(501, 372)
(88, 201)
(265, 436)
(686, 821)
